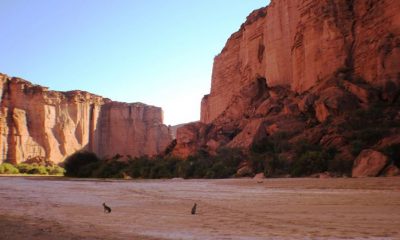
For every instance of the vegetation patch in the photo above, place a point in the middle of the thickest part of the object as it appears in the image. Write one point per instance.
(34, 169)
(201, 165)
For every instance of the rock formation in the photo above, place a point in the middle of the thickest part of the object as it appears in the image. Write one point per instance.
(298, 43)
(306, 70)
(130, 129)
(36, 122)
(369, 164)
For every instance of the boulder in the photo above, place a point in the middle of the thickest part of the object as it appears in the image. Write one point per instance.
(259, 176)
(369, 163)
(245, 170)
(391, 171)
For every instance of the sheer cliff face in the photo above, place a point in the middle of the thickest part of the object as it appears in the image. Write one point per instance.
(298, 43)
(35, 122)
(130, 129)
(304, 70)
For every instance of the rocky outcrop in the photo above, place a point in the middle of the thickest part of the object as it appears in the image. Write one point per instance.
(188, 137)
(36, 122)
(130, 129)
(369, 163)
(322, 72)
(391, 171)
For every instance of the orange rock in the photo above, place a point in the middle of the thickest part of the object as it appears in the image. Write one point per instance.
(304, 68)
(321, 111)
(36, 122)
(362, 93)
(377, 35)
(369, 163)
(392, 171)
(259, 176)
(245, 170)
(298, 43)
(255, 130)
(188, 140)
(130, 129)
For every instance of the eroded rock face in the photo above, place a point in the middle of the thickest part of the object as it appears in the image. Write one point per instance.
(188, 139)
(36, 122)
(298, 43)
(369, 163)
(376, 49)
(130, 129)
(303, 71)
(391, 171)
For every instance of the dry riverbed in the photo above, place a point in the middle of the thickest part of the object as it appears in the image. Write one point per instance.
(57, 208)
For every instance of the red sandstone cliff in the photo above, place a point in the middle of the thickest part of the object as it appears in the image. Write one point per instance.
(298, 43)
(304, 69)
(36, 122)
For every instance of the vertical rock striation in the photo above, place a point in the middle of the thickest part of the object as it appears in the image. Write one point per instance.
(130, 129)
(36, 122)
(298, 43)
(323, 72)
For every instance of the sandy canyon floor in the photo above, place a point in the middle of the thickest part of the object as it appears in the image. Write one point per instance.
(57, 208)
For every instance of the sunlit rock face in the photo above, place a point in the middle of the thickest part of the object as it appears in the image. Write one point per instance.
(130, 129)
(303, 69)
(369, 164)
(36, 122)
(298, 43)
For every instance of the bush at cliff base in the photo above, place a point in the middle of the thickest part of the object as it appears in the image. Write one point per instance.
(80, 164)
(7, 168)
(24, 168)
(27, 168)
(200, 165)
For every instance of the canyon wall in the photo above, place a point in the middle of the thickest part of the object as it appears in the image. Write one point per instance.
(323, 74)
(130, 129)
(298, 43)
(36, 122)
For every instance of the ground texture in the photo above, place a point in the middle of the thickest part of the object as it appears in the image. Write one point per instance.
(56, 208)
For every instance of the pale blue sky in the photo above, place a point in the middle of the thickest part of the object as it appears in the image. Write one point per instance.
(159, 52)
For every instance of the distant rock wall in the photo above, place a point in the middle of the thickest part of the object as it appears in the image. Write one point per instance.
(130, 129)
(36, 122)
(298, 43)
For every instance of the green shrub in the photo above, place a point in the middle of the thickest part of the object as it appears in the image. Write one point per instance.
(275, 166)
(304, 146)
(258, 161)
(357, 146)
(7, 168)
(139, 167)
(276, 143)
(106, 169)
(219, 170)
(163, 168)
(380, 116)
(38, 169)
(24, 167)
(77, 161)
(269, 163)
(55, 170)
(393, 151)
(365, 138)
(340, 166)
(311, 158)
(198, 166)
(263, 146)
(310, 162)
